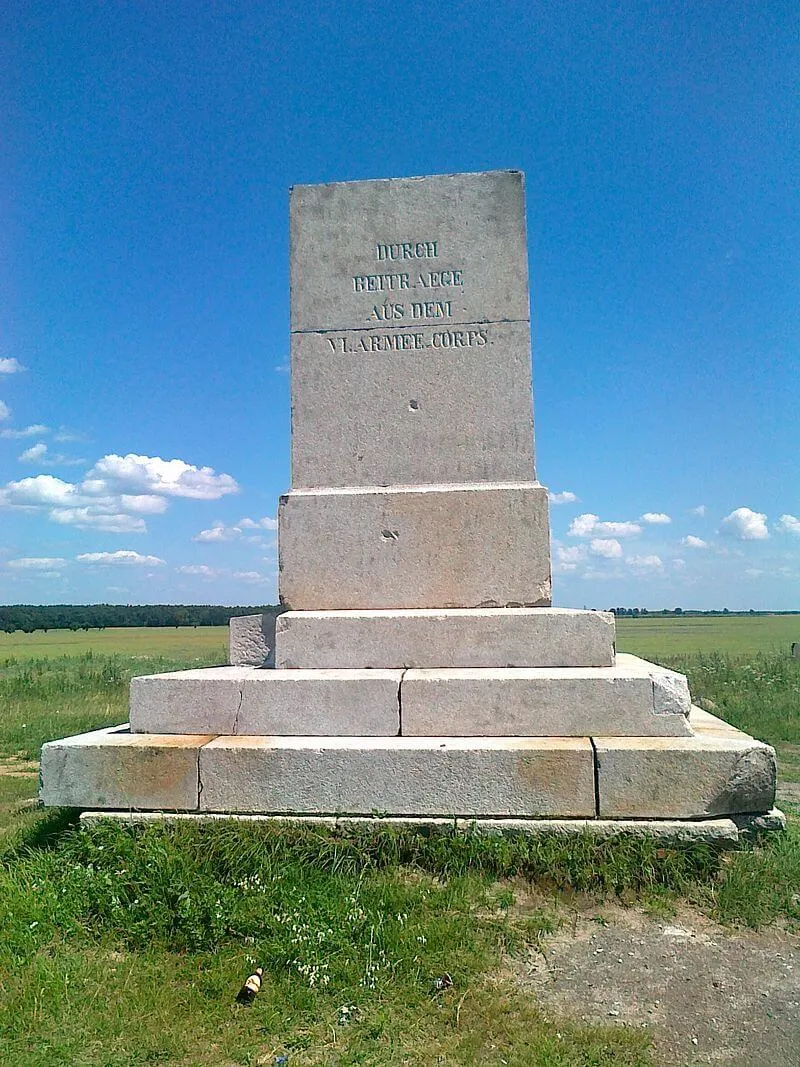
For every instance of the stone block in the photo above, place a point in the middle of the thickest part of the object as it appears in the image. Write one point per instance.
(527, 777)
(716, 772)
(422, 547)
(632, 698)
(251, 640)
(114, 768)
(717, 832)
(415, 415)
(466, 637)
(252, 700)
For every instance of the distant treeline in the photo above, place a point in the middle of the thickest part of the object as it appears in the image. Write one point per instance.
(30, 617)
(641, 613)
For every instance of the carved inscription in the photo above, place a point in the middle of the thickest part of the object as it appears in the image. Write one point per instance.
(408, 341)
(419, 299)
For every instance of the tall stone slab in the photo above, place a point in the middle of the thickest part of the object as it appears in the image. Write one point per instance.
(411, 397)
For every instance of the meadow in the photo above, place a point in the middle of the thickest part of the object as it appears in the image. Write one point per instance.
(123, 945)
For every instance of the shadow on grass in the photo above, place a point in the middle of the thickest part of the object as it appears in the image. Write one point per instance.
(45, 833)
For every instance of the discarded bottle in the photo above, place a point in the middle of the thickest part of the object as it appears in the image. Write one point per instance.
(247, 994)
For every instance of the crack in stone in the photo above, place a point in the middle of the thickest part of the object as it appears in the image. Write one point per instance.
(199, 779)
(235, 726)
(596, 776)
(400, 701)
(368, 329)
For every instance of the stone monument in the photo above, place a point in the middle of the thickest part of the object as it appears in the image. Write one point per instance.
(418, 670)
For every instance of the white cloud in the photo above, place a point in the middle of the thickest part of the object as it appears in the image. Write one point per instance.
(114, 488)
(562, 498)
(219, 533)
(700, 511)
(645, 563)
(568, 558)
(40, 454)
(9, 365)
(123, 556)
(690, 541)
(35, 430)
(200, 570)
(789, 524)
(679, 564)
(655, 518)
(98, 518)
(37, 563)
(589, 525)
(33, 454)
(63, 436)
(165, 477)
(746, 525)
(251, 576)
(608, 548)
(5, 411)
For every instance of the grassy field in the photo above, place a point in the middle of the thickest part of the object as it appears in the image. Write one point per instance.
(653, 637)
(126, 946)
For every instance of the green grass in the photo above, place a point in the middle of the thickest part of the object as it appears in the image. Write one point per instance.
(55, 696)
(741, 634)
(178, 643)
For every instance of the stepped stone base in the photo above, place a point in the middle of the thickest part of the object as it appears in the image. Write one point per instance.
(476, 637)
(719, 771)
(632, 698)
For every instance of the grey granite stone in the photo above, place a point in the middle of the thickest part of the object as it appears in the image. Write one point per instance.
(399, 776)
(253, 700)
(417, 547)
(410, 332)
(114, 768)
(477, 637)
(251, 640)
(632, 698)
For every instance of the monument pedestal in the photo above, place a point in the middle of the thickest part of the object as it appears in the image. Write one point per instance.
(419, 672)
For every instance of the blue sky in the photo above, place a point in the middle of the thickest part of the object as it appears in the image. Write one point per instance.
(144, 396)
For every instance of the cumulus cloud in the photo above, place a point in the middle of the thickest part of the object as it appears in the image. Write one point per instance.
(116, 492)
(746, 525)
(694, 542)
(199, 570)
(5, 411)
(645, 563)
(40, 454)
(123, 557)
(589, 525)
(656, 518)
(568, 558)
(251, 576)
(607, 548)
(37, 563)
(98, 519)
(789, 524)
(134, 474)
(34, 430)
(9, 365)
(700, 511)
(562, 498)
(219, 533)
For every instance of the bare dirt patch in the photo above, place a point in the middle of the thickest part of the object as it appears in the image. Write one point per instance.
(707, 994)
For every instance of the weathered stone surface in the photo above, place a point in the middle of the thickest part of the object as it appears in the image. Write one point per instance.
(114, 768)
(252, 700)
(480, 637)
(251, 640)
(632, 698)
(716, 772)
(410, 332)
(399, 776)
(415, 416)
(716, 832)
(421, 547)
